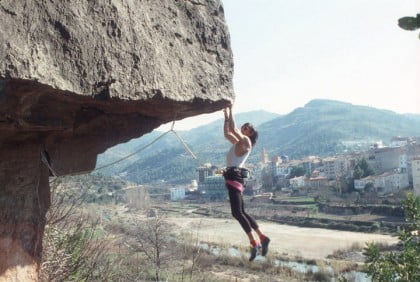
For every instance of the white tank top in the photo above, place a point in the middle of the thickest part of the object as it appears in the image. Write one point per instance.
(233, 160)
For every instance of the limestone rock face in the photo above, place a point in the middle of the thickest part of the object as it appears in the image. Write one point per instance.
(77, 77)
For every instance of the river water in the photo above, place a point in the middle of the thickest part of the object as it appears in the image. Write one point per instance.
(302, 267)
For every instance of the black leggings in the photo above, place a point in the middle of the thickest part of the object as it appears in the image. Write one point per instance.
(238, 212)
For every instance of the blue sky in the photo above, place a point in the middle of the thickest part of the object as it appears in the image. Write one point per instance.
(287, 53)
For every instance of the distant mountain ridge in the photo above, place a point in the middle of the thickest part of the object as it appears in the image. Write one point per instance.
(321, 127)
(413, 116)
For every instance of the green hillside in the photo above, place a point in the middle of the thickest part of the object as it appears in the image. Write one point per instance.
(321, 127)
(325, 127)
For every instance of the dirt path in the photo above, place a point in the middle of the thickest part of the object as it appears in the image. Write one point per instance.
(309, 243)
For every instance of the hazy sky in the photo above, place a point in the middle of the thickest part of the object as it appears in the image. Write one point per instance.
(288, 52)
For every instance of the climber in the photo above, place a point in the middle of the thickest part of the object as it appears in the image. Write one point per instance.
(243, 140)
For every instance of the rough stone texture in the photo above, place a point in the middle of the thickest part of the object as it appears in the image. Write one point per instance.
(77, 77)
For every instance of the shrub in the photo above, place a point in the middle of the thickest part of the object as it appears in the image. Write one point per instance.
(73, 246)
(402, 265)
(320, 276)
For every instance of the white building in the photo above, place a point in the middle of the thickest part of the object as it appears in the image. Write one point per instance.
(264, 156)
(403, 162)
(317, 182)
(335, 167)
(360, 184)
(384, 183)
(177, 194)
(415, 167)
(392, 182)
(297, 181)
(399, 141)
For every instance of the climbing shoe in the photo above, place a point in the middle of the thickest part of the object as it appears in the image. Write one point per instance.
(264, 245)
(254, 251)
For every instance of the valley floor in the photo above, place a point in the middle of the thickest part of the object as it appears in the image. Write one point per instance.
(286, 240)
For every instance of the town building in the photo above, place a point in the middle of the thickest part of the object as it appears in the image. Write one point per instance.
(282, 170)
(317, 182)
(377, 144)
(412, 152)
(264, 156)
(205, 170)
(403, 162)
(213, 188)
(310, 164)
(263, 198)
(177, 193)
(335, 167)
(399, 141)
(284, 158)
(384, 183)
(415, 168)
(276, 171)
(392, 182)
(385, 159)
(361, 184)
(297, 182)
(193, 186)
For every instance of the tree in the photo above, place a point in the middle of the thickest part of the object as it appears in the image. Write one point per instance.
(191, 251)
(367, 169)
(152, 238)
(362, 169)
(410, 23)
(402, 265)
(358, 172)
(267, 178)
(297, 171)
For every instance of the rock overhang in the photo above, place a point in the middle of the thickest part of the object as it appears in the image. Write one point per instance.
(108, 71)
